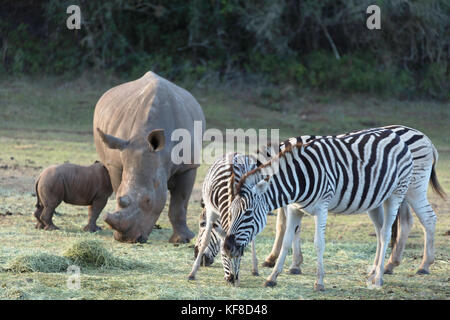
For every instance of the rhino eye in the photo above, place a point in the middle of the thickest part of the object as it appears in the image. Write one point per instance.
(145, 202)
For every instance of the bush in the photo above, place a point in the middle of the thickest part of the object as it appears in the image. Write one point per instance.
(321, 44)
(436, 81)
(357, 72)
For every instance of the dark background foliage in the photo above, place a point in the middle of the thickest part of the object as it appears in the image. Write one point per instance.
(309, 43)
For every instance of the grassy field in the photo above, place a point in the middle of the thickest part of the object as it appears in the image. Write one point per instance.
(49, 121)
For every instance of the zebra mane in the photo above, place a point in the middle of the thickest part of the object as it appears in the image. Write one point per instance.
(231, 181)
(281, 154)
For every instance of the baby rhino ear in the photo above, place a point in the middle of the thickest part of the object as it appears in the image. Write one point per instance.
(261, 187)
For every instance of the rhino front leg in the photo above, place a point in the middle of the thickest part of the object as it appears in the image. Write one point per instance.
(180, 191)
(94, 211)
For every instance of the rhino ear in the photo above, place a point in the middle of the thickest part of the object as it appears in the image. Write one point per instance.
(156, 140)
(111, 141)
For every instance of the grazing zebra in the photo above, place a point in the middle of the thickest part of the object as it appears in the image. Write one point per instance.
(217, 194)
(347, 175)
(425, 157)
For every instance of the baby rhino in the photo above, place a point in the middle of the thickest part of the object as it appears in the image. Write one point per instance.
(73, 184)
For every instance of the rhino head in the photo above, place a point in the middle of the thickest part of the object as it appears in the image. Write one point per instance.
(142, 193)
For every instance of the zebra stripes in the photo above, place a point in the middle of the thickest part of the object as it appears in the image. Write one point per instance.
(424, 158)
(350, 174)
(217, 195)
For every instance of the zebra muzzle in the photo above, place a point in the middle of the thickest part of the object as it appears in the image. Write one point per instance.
(231, 248)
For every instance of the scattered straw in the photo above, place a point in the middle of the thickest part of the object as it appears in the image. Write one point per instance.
(89, 253)
(42, 262)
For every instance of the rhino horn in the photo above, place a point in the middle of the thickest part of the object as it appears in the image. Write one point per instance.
(112, 219)
(112, 142)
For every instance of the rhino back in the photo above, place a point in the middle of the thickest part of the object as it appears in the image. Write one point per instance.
(135, 108)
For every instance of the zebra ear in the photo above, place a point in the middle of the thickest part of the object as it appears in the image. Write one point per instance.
(261, 187)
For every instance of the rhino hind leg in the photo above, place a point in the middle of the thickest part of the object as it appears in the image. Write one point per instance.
(180, 192)
(37, 215)
(46, 218)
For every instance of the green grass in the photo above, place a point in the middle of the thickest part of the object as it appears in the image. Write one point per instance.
(49, 121)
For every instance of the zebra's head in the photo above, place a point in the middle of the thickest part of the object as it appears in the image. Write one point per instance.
(248, 217)
(214, 244)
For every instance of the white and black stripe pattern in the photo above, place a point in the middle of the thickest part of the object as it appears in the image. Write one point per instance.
(425, 157)
(349, 174)
(217, 194)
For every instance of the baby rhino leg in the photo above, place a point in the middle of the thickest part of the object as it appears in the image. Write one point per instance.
(46, 218)
(37, 215)
(51, 196)
(94, 211)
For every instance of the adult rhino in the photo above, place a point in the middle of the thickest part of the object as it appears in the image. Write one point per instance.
(133, 123)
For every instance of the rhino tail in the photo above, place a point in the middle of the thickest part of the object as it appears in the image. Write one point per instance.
(38, 199)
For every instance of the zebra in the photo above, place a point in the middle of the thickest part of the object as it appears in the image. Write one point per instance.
(217, 194)
(424, 156)
(352, 174)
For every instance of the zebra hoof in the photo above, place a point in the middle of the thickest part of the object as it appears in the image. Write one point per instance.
(270, 284)
(255, 273)
(388, 271)
(268, 264)
(295, 271)
(319, 287)
(423, 271)
(191, 277)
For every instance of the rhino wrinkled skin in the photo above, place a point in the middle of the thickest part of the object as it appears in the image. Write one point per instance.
(133, 123)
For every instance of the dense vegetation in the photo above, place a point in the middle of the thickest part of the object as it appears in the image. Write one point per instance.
(309, 43)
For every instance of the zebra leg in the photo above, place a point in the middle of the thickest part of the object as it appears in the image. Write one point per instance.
(417, 198)
(297, 257)
(392, 205)
(254, 260)
(226, 263)
(210, 219)
(405, 220)
(376, 215)
(319, 244)
(281, 228)
(293, 221)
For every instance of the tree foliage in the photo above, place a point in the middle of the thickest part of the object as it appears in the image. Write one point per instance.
(310, 42)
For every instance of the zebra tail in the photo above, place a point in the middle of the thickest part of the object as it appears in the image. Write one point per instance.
(434, 180)
(394, 232)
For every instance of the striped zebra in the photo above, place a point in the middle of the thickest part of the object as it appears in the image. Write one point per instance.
(217, 194)
(346, 175)
(425, 157)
